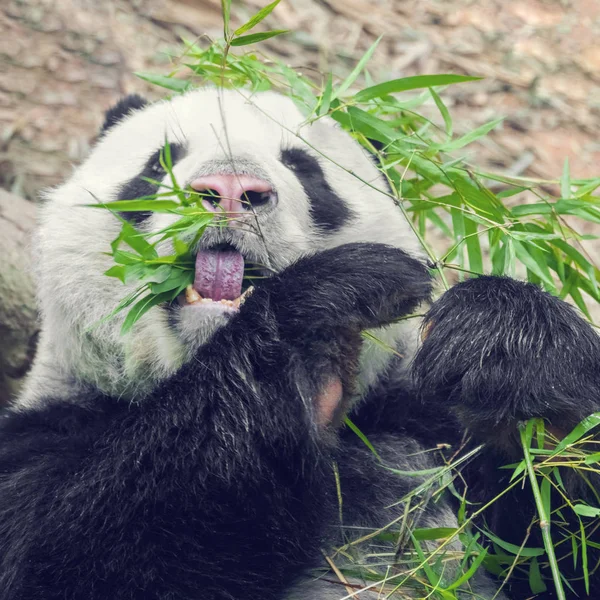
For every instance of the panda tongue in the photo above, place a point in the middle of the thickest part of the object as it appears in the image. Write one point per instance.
(219, 274)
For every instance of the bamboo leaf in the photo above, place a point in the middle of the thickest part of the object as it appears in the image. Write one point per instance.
(253, 38)
(257, 18)
(169, 83)
(141, 308)
(470, 137)
(363, 438)
(536, 583)
(357, 69)
(409, 83)
(226, 12)
(443, 111)
(584, 510)
(578, 432)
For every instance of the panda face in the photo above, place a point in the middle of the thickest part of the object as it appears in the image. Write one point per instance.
(289, 188)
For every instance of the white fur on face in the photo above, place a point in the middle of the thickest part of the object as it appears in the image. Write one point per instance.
(73, 293)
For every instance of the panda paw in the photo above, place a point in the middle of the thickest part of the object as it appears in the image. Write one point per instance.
(312, 314)
(498, 351)
(355, 286)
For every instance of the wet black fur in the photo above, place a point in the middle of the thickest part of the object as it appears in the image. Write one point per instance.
(329, 212)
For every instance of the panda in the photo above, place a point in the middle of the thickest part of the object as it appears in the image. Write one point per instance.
(203, 455)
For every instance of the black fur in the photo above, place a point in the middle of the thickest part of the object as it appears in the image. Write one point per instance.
(138, 187)
(328, 210)
(497, 352)
(120, 110)
(501, 351)
(220, 484)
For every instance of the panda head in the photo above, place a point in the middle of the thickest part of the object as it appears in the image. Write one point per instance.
(295, 188)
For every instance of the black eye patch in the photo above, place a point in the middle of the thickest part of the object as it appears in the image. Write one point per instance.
(137, 187)
(328, 211)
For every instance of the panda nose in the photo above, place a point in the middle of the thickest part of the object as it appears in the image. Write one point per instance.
(231, 193)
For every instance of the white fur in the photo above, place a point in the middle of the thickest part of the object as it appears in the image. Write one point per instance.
(73, 292)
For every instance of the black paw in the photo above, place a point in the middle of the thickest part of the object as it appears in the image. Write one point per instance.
(357, 286)
(499, 350)
(305, 322)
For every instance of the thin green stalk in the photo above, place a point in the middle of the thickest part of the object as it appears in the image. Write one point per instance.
(544, 518)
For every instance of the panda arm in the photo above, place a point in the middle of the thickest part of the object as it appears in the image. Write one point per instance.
(217, 486)
(498, 352)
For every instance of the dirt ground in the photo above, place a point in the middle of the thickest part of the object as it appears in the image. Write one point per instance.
(63, 62)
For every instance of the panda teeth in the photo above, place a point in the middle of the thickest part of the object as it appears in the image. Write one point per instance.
(193, 297)
(239, 301)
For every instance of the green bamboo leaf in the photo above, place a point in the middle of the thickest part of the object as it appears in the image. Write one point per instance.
(357, 69)
(513, 549)
(409, 83)
(481, 200)
(435, 533)
(134, 272)
(117, 271)
(545, 490)
(536, 583)
(164, 81)
(470, 571)
(252, 38)
(162, 206)
(498, 257)
(257, 18)
(469, 137)
(592, 459)
(537, 208)
(518, 470)
(584, 558)
(588, 188)
(443, 111)
(157, 273)
(175, 281)
(135, 240)
(123, 257)
(226, 12)
(363, 438)
(432, 576)
(580, 260)
(142, 307)
(534, 260)
(584, 510)
(578, 432)
(473, 246)
(326, 97)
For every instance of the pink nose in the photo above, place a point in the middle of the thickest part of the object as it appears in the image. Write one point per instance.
(233, 193)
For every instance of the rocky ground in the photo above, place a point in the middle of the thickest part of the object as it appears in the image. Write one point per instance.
(62, 62)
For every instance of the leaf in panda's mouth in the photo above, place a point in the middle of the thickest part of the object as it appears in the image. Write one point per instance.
(217, 275)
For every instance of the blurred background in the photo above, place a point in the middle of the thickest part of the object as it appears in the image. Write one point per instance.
(64, 62)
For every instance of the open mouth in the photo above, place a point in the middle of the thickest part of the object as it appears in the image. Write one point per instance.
(223, 277)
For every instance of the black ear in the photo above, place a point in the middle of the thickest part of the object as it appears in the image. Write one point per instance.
(122, 109)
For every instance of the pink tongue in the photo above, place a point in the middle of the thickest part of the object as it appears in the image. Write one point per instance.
(219, 274)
